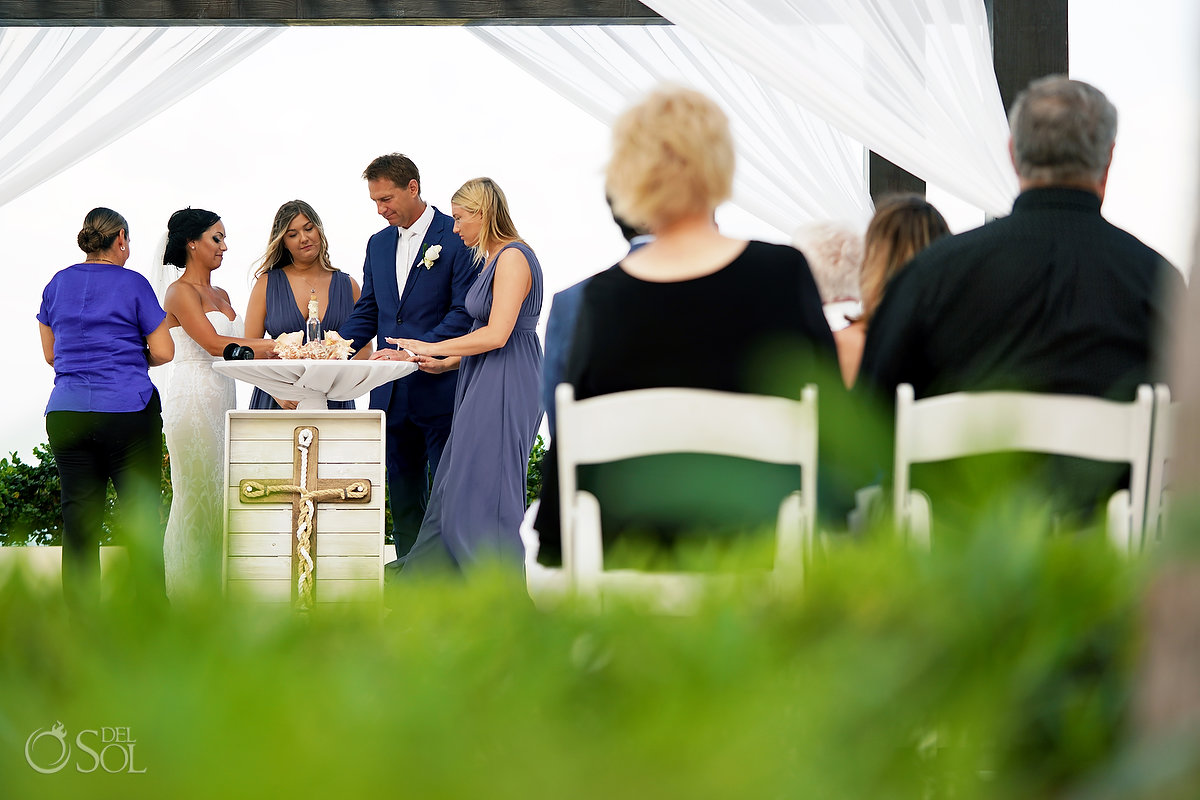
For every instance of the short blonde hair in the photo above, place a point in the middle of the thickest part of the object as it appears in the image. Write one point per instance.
(484, 196)
(672, 157)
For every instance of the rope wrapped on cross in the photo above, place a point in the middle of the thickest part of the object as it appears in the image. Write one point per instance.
(304, 505)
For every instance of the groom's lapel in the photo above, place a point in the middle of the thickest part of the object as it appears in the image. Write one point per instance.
(416, 269)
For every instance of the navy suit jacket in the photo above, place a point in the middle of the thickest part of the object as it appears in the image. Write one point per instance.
(432, 309)
(560, 333)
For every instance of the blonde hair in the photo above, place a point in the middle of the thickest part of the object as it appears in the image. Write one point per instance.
(482, 196)
(277, 255)
(902, 227)
(672, 157)
(100, 229)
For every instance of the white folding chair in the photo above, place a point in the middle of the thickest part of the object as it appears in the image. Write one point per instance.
(1161, 449)
(671, 420)
(973, 423)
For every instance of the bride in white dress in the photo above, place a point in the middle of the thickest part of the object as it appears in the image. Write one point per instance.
(202, 323)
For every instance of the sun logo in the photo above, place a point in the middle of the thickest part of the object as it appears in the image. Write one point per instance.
(58, 732)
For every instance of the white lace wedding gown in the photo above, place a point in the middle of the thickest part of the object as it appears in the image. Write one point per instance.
(194, 406)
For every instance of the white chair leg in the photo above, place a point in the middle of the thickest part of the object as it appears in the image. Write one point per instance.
(920, 519)
(589, 548)
(1120, 522)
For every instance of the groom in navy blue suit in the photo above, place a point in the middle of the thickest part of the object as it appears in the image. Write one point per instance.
(411, 289)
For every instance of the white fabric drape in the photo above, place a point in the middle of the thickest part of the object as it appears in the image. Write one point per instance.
(67, 92)
(791, 166)
(911, 79)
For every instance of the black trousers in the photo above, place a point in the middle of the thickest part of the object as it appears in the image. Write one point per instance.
(91, 447)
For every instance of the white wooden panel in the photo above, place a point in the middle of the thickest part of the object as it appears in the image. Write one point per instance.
(330, 591)
(260, 544)
(257, 568)
(275, 544)
(266, 519)
(351, 544)
(259, 451)
(335, 591)
(273, 568)
(350, 539)
(356, 568)
(282, 426)
(259, 591)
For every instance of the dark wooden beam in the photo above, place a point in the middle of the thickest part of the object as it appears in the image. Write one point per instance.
(885, 178)
(323, 12)
(1029, 40)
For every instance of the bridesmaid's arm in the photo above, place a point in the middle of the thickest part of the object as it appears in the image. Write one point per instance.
(256, 310)
(436, 366)
(510, 287)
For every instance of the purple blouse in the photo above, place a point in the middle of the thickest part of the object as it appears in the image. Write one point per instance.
(101, 315)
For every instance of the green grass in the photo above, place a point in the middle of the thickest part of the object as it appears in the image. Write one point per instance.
(999, 665)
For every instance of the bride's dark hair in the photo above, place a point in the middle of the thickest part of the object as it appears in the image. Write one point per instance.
(186, 225)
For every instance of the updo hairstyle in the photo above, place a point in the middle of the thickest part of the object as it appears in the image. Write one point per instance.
(186, 225)
(100, 229)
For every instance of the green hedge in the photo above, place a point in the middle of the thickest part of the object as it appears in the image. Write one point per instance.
(997, 666)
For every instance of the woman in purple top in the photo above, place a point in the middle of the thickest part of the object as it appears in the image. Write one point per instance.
(101, 327)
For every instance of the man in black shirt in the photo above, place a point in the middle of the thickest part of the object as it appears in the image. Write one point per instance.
(1053, 298)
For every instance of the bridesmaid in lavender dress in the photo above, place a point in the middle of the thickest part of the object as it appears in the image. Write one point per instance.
(295, 268)
(478, 496)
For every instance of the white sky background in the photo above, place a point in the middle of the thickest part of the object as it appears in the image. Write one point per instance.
(304, 115)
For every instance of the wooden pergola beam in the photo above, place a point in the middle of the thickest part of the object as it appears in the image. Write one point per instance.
(324, 12)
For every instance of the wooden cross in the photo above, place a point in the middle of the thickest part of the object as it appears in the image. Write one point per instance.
(306, 490)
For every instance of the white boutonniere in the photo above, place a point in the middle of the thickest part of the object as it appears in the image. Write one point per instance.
(431, 255)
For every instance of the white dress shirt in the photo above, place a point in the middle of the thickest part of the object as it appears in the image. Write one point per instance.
(408, 247)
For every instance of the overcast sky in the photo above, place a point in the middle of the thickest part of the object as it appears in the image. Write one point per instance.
(302, 117)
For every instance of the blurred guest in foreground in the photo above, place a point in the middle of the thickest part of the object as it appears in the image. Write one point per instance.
(101, 328)
(834, 251)
(692, 308)
(1053, 298)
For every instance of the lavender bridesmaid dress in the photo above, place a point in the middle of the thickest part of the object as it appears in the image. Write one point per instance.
(283, 316)
(478, 497)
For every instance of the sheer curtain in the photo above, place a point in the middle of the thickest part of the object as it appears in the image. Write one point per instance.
(792, 166)
(68, 92)
(911, 79)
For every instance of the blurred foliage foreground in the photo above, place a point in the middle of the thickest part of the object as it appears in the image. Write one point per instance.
(999, 665)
